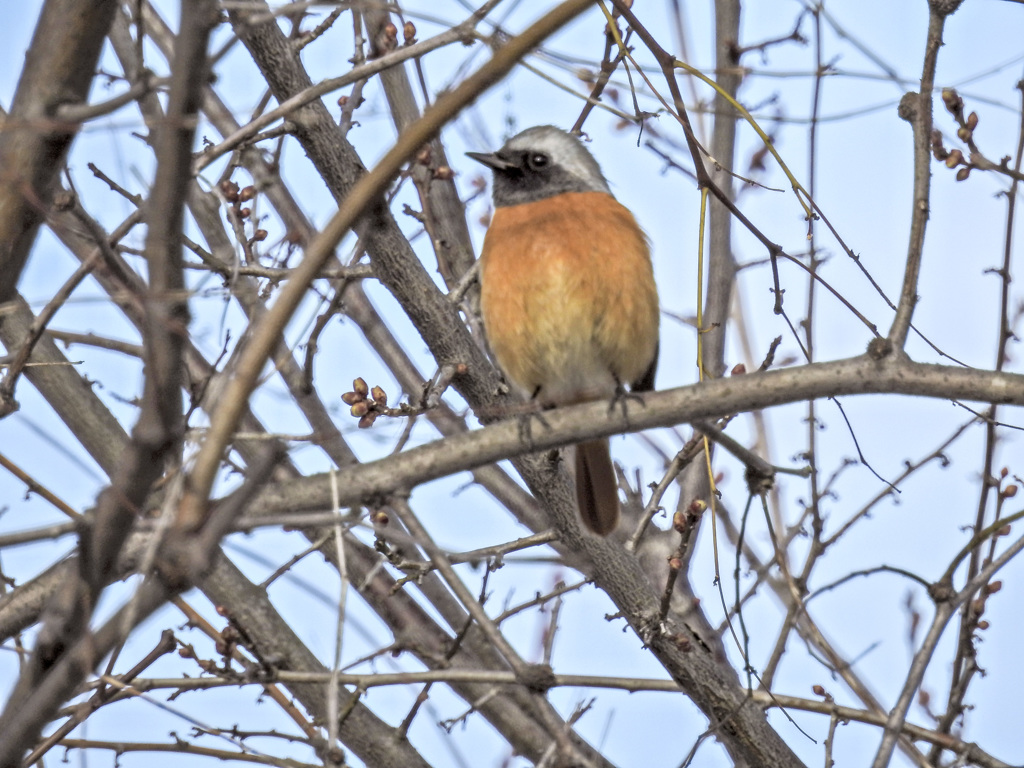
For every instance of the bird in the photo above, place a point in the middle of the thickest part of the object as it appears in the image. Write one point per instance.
(567, 292)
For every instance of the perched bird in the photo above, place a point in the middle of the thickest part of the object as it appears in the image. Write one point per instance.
(568, 298)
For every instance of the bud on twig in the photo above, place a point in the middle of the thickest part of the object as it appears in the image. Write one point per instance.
(954, 104)
(229, 189)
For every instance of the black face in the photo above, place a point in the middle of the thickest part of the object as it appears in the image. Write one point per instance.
(530, 176)
(527, 175)
(536, 161)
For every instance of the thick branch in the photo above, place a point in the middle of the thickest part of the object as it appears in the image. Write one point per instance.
(721, 263)
(33, 143)
(58, 662)
(859, 375)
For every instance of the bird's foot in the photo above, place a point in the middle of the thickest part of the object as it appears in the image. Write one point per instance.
(622, 397)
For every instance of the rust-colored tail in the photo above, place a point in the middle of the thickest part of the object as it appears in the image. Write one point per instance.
(597, 493)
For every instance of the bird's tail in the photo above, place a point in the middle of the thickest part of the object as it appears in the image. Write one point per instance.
(597, 492)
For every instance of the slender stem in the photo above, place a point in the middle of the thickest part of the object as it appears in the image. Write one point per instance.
(917, 109)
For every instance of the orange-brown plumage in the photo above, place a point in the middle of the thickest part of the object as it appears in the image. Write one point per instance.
(568, 298)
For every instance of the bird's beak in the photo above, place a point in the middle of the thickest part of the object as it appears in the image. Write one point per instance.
(491, 160)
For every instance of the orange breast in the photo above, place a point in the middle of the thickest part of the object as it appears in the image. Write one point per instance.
(568, 296)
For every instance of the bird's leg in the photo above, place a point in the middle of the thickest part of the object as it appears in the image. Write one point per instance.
(526, 417)
(622, 396)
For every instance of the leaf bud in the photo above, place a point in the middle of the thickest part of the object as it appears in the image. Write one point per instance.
(229, 189)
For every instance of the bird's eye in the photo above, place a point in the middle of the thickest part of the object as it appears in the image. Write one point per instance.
(537, 160)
